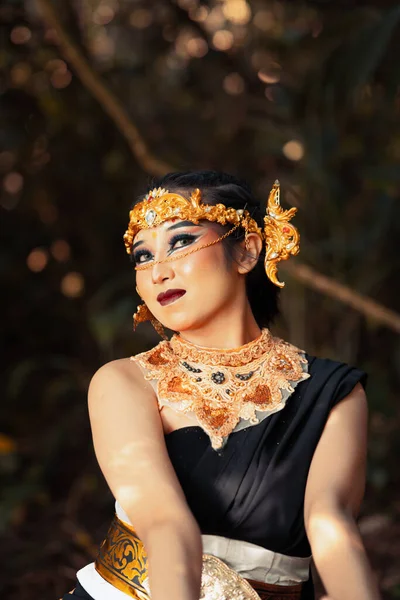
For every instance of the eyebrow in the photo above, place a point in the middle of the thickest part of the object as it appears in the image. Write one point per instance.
(175, 226)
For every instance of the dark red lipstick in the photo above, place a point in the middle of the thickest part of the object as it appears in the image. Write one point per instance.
(170, 296)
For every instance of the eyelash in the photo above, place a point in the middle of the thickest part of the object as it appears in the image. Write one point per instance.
(176, 238)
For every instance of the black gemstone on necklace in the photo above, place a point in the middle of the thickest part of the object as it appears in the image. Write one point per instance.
(244, 376)
(218, 377)
(198, 378)
(189, 368)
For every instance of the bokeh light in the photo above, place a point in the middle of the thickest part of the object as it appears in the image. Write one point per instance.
(214, 20)
(181, 42)
(37, 260)
(51, 36)
(20, 34)
(60, 78)
(293, 150)
(269, 76)
(199, 14)
(20, 73)
(233, 84)
(13, 182)
(102, 45)
(223, 40)
(175, 62)
(56, 64)
(197, 47)
(264, 20)
(7, 444)
(61, 250)
(237, 11)
(103, 14)
(140, 18)
(72, 285)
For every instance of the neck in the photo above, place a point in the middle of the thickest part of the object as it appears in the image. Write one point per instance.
(225, 330)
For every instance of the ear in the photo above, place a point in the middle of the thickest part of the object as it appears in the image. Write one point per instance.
(247, 259)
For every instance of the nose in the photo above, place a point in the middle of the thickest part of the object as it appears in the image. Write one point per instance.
(161, 272)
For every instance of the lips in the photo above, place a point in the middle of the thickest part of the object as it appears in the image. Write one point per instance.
(170, 296)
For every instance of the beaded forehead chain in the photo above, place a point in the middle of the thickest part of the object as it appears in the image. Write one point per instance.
(281, 238)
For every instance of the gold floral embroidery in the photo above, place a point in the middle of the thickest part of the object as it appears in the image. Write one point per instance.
(156, 357)
(122, 560)
(225, 389)
(262, 394)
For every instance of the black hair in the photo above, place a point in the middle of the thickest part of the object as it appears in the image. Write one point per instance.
(218, 187)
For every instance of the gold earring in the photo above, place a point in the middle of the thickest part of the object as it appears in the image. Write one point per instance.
(143, 314)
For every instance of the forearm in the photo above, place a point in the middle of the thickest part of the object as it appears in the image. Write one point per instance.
(340, 557)
(175, 559)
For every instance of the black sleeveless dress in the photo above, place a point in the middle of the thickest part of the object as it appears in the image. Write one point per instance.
(253, 488)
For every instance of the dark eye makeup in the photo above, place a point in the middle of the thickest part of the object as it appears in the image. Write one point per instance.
(175, 238)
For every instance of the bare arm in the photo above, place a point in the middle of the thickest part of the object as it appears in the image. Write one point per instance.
(334, 491)
(130, 448)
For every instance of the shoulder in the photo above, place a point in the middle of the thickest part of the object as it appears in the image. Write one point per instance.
(122, 368)
(327, 366)
(116, 378)
(334, 379)
(330, 383)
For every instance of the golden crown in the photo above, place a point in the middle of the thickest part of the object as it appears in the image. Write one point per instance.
(159, 205)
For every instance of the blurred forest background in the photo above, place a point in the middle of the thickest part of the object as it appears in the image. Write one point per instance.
(96, 96)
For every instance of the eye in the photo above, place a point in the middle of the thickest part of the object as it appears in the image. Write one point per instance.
(181, 239)
(138, 255)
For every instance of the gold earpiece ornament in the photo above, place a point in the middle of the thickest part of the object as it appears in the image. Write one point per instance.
(143, 314)
(282, 239)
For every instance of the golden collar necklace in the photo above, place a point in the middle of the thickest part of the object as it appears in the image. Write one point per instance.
(224, 390)
(234, 357)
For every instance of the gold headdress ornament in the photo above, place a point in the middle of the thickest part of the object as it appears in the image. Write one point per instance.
(281, 238)
(159, 205)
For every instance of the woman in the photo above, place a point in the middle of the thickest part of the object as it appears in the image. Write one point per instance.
(233, 455)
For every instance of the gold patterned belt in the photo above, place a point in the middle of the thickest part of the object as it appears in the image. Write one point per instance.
(122, 561)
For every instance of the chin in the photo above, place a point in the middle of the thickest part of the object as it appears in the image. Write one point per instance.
(177, 322)
(188, 322)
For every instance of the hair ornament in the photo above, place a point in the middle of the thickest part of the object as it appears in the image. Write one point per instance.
(282, 239)
(159, 205)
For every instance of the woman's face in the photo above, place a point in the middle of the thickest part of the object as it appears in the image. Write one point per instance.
(206, 281)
